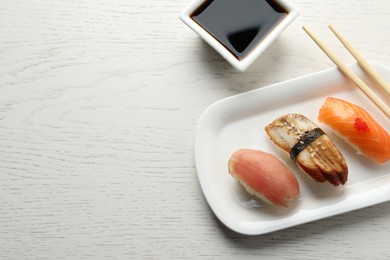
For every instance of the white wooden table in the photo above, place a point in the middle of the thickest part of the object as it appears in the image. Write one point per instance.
(99, 101)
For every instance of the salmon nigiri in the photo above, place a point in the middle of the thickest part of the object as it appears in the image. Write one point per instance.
(358, 127)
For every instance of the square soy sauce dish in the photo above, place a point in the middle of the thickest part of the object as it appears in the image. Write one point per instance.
(240, 30)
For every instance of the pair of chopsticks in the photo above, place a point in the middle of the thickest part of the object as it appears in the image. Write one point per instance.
(350, 74)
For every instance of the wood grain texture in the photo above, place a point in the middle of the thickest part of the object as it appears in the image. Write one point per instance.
(98, 107)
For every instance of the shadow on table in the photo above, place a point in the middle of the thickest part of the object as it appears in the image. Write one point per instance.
(254, 77)
(344, 222)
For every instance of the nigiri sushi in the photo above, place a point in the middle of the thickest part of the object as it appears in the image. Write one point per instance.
(357, 126)
(264, 176)
(309, 147)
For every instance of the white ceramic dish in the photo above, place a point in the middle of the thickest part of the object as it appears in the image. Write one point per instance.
(243, 64)
(238, 122)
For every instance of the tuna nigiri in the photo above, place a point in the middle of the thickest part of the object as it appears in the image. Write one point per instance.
(358, 127)
(264, 176)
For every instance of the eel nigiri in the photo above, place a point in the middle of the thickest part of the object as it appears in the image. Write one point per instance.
(264, 176)
(309, 147)
(357, 126)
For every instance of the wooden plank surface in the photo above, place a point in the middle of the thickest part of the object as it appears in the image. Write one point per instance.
(99, 101)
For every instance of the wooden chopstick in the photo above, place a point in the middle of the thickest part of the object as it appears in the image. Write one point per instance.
(362, 62)
(350, 74)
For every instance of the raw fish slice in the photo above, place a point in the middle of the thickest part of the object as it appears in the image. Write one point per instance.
(264, 176)
(357, 126)
(309, 147)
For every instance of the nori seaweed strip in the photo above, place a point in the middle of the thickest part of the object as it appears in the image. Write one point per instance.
(307, 139)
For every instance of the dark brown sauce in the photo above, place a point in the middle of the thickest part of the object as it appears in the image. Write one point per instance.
(240, 25)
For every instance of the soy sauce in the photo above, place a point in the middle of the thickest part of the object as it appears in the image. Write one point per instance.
(240, 25)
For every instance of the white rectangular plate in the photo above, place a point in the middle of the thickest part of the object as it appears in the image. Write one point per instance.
(238, 122)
